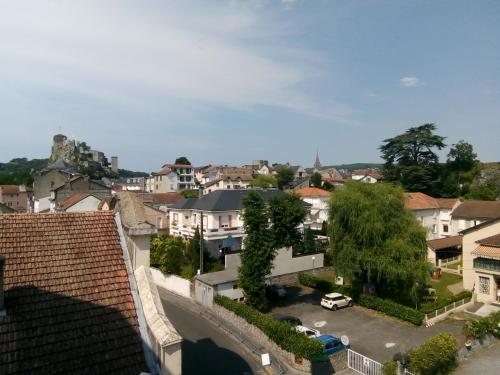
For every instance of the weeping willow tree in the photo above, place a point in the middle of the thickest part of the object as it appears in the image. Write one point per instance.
(375, 239)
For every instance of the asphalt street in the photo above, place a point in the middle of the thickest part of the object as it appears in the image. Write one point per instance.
(207, 349)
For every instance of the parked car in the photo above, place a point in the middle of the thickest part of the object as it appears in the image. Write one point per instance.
(333, 344)
(288, 319)
(309, 332)
(276, 290)
(333, 301)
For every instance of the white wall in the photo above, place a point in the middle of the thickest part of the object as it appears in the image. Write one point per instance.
(173, 283)
(229, 290)
(90, 203)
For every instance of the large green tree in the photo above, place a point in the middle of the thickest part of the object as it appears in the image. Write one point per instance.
(316, 179)
(167, 253)
(460, 169)
(286, 213)
(284, 175)
(411, 158)
(375, 239)
(258, 254)
(182, 160)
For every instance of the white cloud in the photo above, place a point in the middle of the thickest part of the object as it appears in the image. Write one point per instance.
(215, 55)
(410, 81)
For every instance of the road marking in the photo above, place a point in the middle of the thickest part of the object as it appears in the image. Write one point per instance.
(390, 345)
(320, 324)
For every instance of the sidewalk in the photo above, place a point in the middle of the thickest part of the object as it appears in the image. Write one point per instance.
(256, 349)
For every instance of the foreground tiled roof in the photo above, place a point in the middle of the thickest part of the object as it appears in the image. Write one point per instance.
(444, 243)
(420, 201)
(67, 297)
(478, 210)
(75, 198)
(312, 192)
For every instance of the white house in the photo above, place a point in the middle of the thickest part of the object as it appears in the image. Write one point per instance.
(174, 177)
(481, 260)
(80, 202)
(433, 213)
(227, 178)
(221, 211)
(318, 199)
(370, 176)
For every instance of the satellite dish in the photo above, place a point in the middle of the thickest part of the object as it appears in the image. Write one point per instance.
(344, 340)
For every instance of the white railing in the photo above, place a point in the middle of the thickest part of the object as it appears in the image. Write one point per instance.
(445, 262)
(408, 372)
(362, 364)
(447, 309)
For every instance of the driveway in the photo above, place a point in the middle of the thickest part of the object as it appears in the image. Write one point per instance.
(370, 333)
(485, 361)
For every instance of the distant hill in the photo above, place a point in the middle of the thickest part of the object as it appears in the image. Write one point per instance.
(21, 171)
(351, 167)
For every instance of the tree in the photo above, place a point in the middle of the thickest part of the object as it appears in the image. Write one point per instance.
(309, 242)
(286, 213)
(182, 160)
(284, 176)
(257, 257)
(462, 157)
(264, 181)
(410, 158)
(193, 250)
(374, 239)
(190, 193)
(167, 253)
(316, 179)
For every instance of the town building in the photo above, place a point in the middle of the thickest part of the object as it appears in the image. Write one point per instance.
(80, 202)
(370, 176)
(174, 177)
(474, 212)
(16, 197)
(318, 212)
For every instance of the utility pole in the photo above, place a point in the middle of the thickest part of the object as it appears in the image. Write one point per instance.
(201, 243)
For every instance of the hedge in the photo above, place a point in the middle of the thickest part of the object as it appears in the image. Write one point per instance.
(436, 356)
(279, 332)
(385, 306)
(480, 327)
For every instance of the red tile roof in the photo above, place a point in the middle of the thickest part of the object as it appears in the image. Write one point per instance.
(491, 252)
(491, 241)
(9, 189)
(444, 243)
(420, 201)
(448, 203)
(75, 198)
(67, 297)
(478, 210)
(312, 192)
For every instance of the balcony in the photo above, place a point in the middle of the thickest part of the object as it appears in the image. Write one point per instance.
(487, 264)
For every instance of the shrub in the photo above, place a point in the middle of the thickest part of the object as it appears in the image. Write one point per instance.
(480, 327)
(391, 308)
(390, 368)
(322, 284)
(445, 302)
(281, 333)
(436, 356)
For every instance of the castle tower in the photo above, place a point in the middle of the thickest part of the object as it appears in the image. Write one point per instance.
(114, 164)
(317, 164)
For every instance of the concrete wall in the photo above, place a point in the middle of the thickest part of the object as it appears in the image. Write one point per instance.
(470, 275)
(42, 204)
(138, 247)
(230, 290)
(203, 293)
(47, 181)
(173, 283)
(90, 203)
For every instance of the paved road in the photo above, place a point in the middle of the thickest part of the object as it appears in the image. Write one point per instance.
(486, 361)
(206, 349)
(371, 334)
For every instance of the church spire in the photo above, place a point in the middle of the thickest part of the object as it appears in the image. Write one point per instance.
(317, 164)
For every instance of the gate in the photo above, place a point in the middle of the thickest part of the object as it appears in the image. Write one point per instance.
(362, 364)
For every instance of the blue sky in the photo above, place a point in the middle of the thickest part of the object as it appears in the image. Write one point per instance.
(232, 81)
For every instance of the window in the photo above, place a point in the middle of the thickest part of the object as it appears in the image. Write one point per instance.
(445, 228)
(158, 222)
(484, 285)
(224, 221)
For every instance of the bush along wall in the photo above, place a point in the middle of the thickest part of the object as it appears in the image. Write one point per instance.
(375, 303)
(437, 356)
(281, 333)
(478, 328)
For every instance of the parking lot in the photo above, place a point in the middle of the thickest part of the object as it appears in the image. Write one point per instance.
(370, 333)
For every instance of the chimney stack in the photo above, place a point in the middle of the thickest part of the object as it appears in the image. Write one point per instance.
(114, 164)
(2, 307)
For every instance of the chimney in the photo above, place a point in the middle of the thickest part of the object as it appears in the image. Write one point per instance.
(2, 307)
(114, 164)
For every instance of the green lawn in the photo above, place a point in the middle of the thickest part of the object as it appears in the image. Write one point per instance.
(441, 287)
(454, 266)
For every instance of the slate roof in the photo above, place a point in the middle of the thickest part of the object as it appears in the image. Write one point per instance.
(445, 243)
(5, 209)
(477, 210)
(220, 277)
(67, 297)
(223, 200)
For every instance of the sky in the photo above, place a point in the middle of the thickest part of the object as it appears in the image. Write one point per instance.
(229, 81)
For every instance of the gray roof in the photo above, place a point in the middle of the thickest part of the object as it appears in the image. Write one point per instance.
(221, 277)
(224, 200)
(62, 166)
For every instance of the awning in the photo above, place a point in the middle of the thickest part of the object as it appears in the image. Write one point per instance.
(489, 252)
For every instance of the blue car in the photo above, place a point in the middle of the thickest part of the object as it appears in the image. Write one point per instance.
(333, 344)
